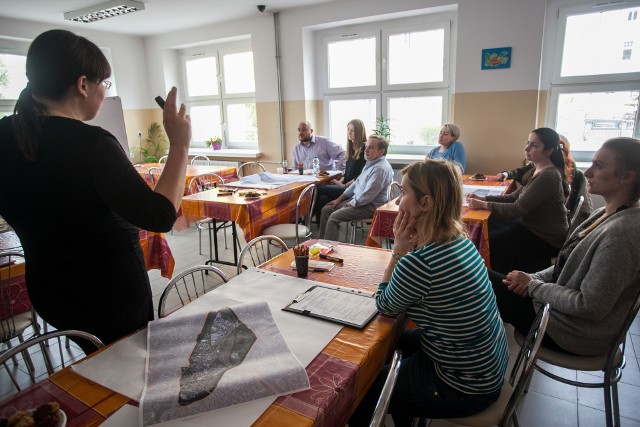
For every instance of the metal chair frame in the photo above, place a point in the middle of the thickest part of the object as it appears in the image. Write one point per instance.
(611, 365)
(309, 191)
(43, 342)
(503, 412)
(190, 285)
(163, 159)
(250, 164)
(14, 325)
(380, 412)
(260, 250)
(201, 159)
(201, 183)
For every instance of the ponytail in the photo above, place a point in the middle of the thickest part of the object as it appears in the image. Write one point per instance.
(551, 140)
(27, 122)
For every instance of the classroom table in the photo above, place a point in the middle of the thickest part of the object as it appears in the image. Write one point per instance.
(277, 206)
(227, 173)
(340, 374)
(475, 220)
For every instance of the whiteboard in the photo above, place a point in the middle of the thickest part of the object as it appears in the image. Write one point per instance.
(111, 118)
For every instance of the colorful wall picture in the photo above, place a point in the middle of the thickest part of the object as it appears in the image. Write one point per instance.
(498, 57)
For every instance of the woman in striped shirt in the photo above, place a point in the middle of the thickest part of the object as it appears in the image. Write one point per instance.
(455, 360)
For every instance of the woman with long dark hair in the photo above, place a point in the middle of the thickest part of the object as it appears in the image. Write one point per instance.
(539, 205)
(356, 140)
(73, 197)
(595, 278)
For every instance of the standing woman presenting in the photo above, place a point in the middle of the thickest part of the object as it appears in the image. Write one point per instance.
(74, 199)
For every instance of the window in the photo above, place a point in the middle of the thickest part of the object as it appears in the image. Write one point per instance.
(220, 88)
(399, 74)
(596, 80)
(12, 81)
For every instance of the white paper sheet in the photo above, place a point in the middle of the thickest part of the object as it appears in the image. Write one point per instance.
(122, 370)
(483, 190)
(212, 360)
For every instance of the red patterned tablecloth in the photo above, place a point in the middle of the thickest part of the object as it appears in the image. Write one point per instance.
(340, 375)
(476, 221)
(226, 173)
(278, 206)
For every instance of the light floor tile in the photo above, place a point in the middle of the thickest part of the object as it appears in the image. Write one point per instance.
(629, 397)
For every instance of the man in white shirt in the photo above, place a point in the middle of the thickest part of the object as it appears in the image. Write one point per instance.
(368, 192)
(312, 146)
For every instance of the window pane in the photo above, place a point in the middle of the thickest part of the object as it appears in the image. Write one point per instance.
(415, 120)
(238, 73)
(205, 122)
(341, 112)
(12, 75)
(242, 124)
(352, 63)
(589, 119)
(416, 57)
(202, 76)
(601, 43)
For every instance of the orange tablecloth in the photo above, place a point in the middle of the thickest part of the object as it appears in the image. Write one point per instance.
(227, 173)
(476, 221)
(340, 375)
(278, 206)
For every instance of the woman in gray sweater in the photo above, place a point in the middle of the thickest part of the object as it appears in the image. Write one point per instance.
(597, 274)
(531, 242)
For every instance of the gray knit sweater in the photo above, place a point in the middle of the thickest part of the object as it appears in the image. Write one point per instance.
(539, 204)
(596, 287)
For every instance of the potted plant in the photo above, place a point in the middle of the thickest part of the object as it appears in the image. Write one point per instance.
(154, 146)
(382, 127)
(215, 142)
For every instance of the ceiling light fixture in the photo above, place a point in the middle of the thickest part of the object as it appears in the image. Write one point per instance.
(104, 10)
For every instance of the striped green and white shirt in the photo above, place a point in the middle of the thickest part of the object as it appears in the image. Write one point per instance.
(444, 288)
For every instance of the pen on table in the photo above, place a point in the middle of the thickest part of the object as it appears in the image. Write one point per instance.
(331, 258)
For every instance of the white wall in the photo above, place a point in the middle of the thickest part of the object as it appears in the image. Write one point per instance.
(127, 53)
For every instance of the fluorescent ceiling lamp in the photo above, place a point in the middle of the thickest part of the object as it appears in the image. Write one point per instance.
(104, 10)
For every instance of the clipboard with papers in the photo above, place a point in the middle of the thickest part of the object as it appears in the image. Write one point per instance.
(350, 307)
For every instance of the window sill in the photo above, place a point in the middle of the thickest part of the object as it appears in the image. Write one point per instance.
(251, 153)
(404, 159)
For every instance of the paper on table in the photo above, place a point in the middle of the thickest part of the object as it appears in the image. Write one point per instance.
(483, 190)
(207, 361)
(252, 285)
(335, 305)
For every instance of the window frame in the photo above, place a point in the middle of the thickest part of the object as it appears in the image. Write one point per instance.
(383, 91)
(560, 85)
(446, 77)
(221, 99)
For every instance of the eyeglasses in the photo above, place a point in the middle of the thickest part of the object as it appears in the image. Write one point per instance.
(106, 84)
(445, 134)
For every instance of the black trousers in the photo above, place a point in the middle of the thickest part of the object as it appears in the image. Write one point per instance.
(517, 248)
(517, 310)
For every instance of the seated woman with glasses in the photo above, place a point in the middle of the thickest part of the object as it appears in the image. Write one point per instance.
(450, 148)
(531, 242)
(595, 279)
(454, 362)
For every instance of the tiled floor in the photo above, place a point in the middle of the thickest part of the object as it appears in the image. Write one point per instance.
(548, 402)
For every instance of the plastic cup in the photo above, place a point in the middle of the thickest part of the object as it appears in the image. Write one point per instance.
(302, 265)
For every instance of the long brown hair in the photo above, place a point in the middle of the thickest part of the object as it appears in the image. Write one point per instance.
(442, 180)
(55, 61)
(354, 149)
